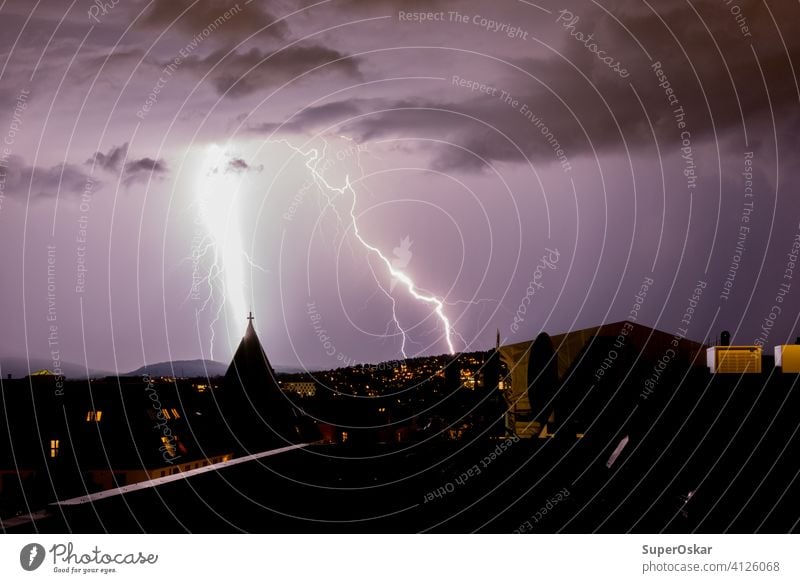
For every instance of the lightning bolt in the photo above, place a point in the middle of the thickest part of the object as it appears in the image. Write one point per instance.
(34, 552)
(220, 248)
(312, 160)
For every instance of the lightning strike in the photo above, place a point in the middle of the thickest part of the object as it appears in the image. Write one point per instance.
(313, 158)
(221, 247)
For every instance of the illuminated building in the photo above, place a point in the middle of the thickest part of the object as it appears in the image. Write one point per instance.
(734, 359)
(300, 388)
(787, 357)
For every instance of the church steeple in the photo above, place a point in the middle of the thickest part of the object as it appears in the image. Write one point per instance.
(250, 365)
(255, 404)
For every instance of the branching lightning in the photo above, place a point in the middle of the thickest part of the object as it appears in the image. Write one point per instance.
(218, 212)
(219, 246)
(312, 160)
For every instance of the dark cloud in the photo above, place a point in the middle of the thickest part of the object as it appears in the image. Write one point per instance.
(313, 117)
(239, 165)
(116, 161)
(588, 108)
(142, 169)
(239, 74)
(63, 179)
(112, 161)
(192, 18)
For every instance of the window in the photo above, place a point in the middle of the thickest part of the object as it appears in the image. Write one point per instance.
(175, 413)
(344, 436)
(94, 416)
(165, 413)
(54, 443)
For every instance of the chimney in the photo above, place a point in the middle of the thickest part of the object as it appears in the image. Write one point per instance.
(725, 338)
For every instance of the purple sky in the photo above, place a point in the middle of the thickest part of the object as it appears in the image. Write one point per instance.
(145, 146)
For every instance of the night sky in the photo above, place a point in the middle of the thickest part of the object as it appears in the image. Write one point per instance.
(168, 166)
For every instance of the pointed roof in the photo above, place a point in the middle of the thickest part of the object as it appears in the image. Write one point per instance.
(250, 365)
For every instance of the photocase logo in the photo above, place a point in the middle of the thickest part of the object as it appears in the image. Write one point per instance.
(402, 257)
(31, 556)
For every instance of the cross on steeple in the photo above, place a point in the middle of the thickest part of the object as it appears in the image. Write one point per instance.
(250, 317)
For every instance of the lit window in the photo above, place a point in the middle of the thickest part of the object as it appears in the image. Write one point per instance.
(344, 436)
(54, 447)
(175, 413)
(165, 413)
(94, 416)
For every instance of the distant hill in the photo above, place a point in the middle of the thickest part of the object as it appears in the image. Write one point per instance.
(18, 368)
(182, 368)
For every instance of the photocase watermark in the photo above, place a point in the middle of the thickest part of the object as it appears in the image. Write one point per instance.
(300, 195)
(14, 127)
(739, 18)
(384, 366)
(548, 507)
(548, 261)
(92, 561)
(402, 258)
(568, 20)
(781, 293)
(324, 165)
(679, 117)
(32, 556)
(622, 337)
(671, 353)
(172, 67)
(324, 338)
(199, 246)
(507, 99)
(510, 30)
(100, 9)
(472, 472)
(169, 442)
(81, 235)
(52, 323)
(748, 206)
